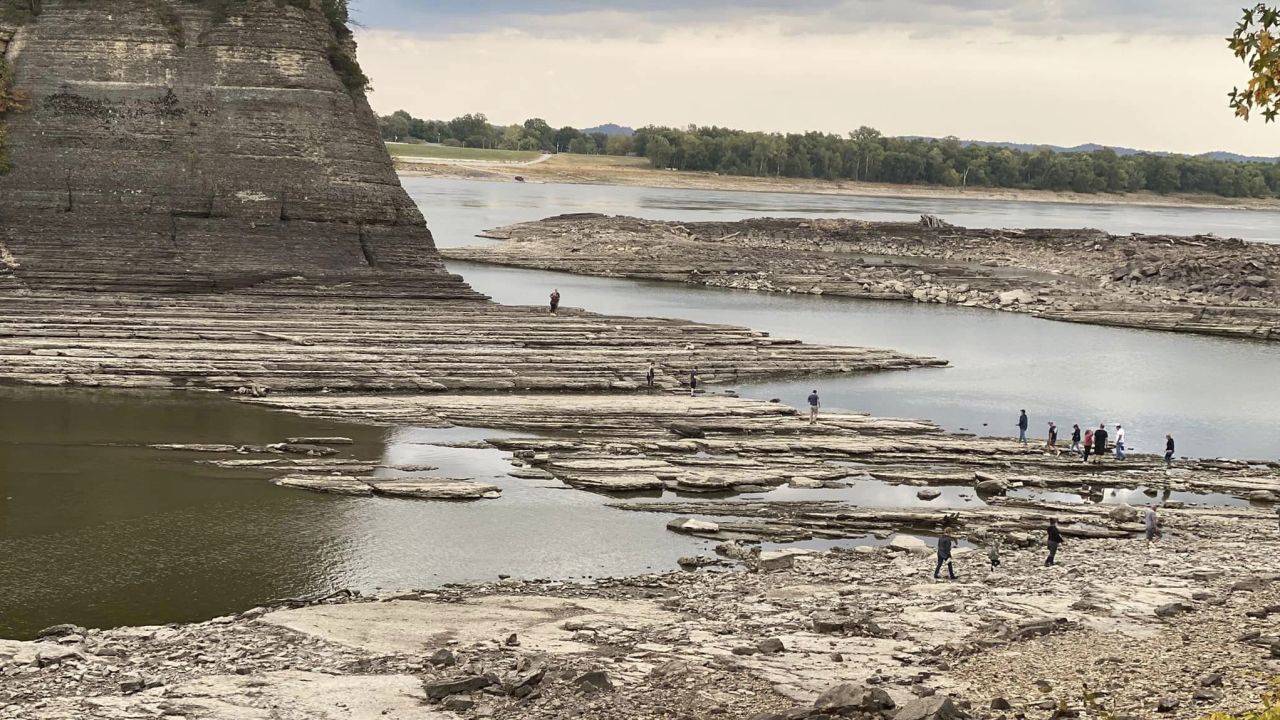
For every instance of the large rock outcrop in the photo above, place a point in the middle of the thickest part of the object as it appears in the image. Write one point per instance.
(184, 146)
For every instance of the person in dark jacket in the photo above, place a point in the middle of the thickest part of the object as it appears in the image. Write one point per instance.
(1055, 539)
(1023, 423)
(652, 372)
(555, 300)
(693, 381)
(1053, 437)
(1075, 438)
(1168, 451)
(1100, 441)
(944, 556)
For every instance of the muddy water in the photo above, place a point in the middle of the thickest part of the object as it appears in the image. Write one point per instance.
(100, 530)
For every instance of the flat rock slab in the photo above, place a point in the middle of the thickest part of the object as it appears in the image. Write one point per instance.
(286, 695)
(332, 484)
(435, 489)
(408, 626)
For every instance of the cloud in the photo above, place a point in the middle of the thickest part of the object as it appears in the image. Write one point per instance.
(649, 18)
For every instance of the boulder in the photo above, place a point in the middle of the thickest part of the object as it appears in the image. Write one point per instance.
(594, 681)
(805, 482)
(825, 621)
(990, 487)
(937, 707)
(457, 686)
(1263, 496)
(686, 430)
(1123, 514)
(1170, 610)
(1015, 297)
(691, 526)
(909, 544)
(852, 698)
(929, 494)
(771, 646)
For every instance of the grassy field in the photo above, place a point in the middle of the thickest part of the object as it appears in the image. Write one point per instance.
(597, 161)
(443, 152)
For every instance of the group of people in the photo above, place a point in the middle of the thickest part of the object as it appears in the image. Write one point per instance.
(1091, 441)
(1053, 540)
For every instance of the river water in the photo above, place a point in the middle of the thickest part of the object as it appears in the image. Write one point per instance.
(99, 529)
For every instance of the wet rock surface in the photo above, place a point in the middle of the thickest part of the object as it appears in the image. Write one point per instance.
(1200, 284)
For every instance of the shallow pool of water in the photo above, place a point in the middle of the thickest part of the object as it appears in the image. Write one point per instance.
(100, 530)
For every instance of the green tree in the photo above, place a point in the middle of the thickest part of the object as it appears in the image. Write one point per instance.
(1256, 41)
(659, 152)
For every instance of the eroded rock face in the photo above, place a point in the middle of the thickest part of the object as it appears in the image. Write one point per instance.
(170, 149)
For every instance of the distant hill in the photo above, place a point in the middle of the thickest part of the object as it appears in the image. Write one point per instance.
(610, 129)
(1122, 151)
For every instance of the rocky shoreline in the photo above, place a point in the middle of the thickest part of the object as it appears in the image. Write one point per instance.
(1199, 284)
(1117, 629)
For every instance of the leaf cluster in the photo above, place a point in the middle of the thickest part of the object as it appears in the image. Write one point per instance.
(1256, 42)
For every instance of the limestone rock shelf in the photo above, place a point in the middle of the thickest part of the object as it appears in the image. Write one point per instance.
(1200, 284)
(170, 147)
(233, 341)
(613, 443)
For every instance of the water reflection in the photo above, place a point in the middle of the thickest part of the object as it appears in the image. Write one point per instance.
(458, 209)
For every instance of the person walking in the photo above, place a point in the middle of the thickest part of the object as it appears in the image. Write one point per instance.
(1119, 442)
(1100, 441)
(1168, 451)
(555, 300)
(1022, 427)
(814, 404)
(1075, 438)
(1088, 443)
(1053, 436)
(693, 381)
(650, 374)
(993, 553)
(944, 556)
(1152, 523)
(1055, 539)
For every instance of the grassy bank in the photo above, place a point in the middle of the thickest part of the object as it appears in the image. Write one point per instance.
(444, 152)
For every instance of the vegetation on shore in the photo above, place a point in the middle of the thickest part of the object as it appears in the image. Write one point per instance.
(864, 155)
(446, 152)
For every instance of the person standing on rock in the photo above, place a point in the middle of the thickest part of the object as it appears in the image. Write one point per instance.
(1088, 443)
(1119, 442)
(814, 404)
(944, 556)
(1055, 539)
(693, 381)
(1022, 427)
(1168, 451)
(993, 553)
(649, 376)
(1053, 436)
(1075, 438)
(1100, 441)
(1152, 523)
(555, 300)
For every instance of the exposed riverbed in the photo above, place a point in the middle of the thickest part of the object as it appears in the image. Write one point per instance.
(101, 530)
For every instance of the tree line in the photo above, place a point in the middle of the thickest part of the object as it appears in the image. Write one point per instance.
(474, 130)
(863, 155)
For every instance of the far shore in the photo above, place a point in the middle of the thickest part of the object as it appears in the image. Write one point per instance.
(606, 170)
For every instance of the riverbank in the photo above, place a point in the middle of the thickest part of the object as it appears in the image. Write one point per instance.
(609, 170)
(1175, 630)
(1199, 284)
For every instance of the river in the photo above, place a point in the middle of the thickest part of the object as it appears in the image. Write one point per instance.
(101, 530)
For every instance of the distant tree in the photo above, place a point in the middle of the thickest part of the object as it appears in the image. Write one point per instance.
(396, 126)
(540, 131)
(564, 137)
(659, 152)
(1256, 41)
(582, 145)
(618, 145)
(512, 136)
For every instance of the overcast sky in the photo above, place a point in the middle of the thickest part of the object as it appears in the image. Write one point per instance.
(1151, 74)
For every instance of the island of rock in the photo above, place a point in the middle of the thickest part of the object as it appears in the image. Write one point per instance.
(1200, 284)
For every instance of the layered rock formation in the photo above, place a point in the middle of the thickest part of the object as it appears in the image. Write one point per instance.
(182, 146)
(1200, 284)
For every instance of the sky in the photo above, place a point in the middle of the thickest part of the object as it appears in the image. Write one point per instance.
(1149, 74)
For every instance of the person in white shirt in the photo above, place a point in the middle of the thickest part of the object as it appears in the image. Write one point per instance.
(1119, 442)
